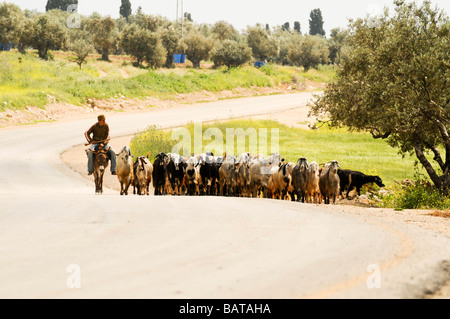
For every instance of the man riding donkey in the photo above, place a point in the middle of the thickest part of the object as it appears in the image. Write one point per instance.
(100, 139)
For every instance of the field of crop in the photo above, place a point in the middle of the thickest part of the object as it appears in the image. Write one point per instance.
(29, 81)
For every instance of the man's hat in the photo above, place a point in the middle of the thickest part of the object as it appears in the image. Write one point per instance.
(101, 117)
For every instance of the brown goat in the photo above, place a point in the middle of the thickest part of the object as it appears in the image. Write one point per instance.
(312, 183)
(329, 182)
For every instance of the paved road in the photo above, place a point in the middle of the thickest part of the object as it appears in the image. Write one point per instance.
(189, 247)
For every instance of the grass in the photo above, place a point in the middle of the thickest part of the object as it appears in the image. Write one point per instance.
(29, 81)
(357, 151)
(415, 195)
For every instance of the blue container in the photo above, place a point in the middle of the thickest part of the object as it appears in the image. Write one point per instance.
(179, 58)
(259, 64)
(6, 47)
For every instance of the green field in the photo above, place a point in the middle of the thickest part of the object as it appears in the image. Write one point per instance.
(29, 81)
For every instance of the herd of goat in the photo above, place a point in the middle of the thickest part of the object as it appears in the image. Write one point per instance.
(241, 176)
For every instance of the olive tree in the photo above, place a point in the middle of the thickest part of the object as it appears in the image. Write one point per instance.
(197, 47)
(338, 45)
(231, 53)
(134, 41)
(11, 23)
(104, 35)
(223, 30)
(170, 39)
(81, 48)
(263, 47)
(43, 34)
(308, 51)
(155, 53)
(143, 45)
(395, 84)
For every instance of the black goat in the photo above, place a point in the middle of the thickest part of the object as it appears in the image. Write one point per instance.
(160, 173)
(350, 179)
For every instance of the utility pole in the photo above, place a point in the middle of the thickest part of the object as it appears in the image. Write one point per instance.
(182, 21)
(178, 10)
(182, 16)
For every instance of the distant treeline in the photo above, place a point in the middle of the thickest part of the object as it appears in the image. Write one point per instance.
(153, 40)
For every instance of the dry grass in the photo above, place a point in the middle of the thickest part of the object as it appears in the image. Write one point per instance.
(439, 213)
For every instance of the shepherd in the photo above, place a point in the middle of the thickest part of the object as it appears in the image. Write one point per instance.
(100, 135)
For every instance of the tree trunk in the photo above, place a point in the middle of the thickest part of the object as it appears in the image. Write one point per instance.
(441, 182)
(42, 52)
(105, 55)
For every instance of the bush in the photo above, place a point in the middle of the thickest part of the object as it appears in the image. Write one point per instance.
(308, 51)
(231, 53)
(416, 195)
(152, 141)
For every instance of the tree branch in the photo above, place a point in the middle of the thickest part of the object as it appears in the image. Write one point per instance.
(377, 134)
(437, 155)
(380, 135)
(444, 132)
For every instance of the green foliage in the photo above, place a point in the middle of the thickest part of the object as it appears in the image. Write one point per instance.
(338, 45)
(144, 45)
(59, 4)
(308, 51)
(170, 39)
(151, 141)
(125, 9)
(27, 80)
(231, 54)
(197, 47)
(104, 35)
(395, 85)
(81, 49)
(12, 22)
(415, 195)
(316, 23)
(222, 31)
(297, 27)
(44, 33)
(286, 27)
(263, 47)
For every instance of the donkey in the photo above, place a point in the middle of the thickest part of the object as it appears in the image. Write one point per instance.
(101, 162)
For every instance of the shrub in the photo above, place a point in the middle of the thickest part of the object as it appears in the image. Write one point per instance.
(152, 141)
(231, 54)
(416, 195)
(308, 51)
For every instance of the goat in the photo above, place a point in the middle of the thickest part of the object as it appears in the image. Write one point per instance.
(353, 179)
(329, 182)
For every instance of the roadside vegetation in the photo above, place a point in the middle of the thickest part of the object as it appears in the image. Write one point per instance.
(69, 57)
(28, 80)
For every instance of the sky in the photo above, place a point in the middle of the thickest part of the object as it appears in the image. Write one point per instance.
(242, 13)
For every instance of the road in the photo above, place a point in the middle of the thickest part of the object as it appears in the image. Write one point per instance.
(55, 233)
